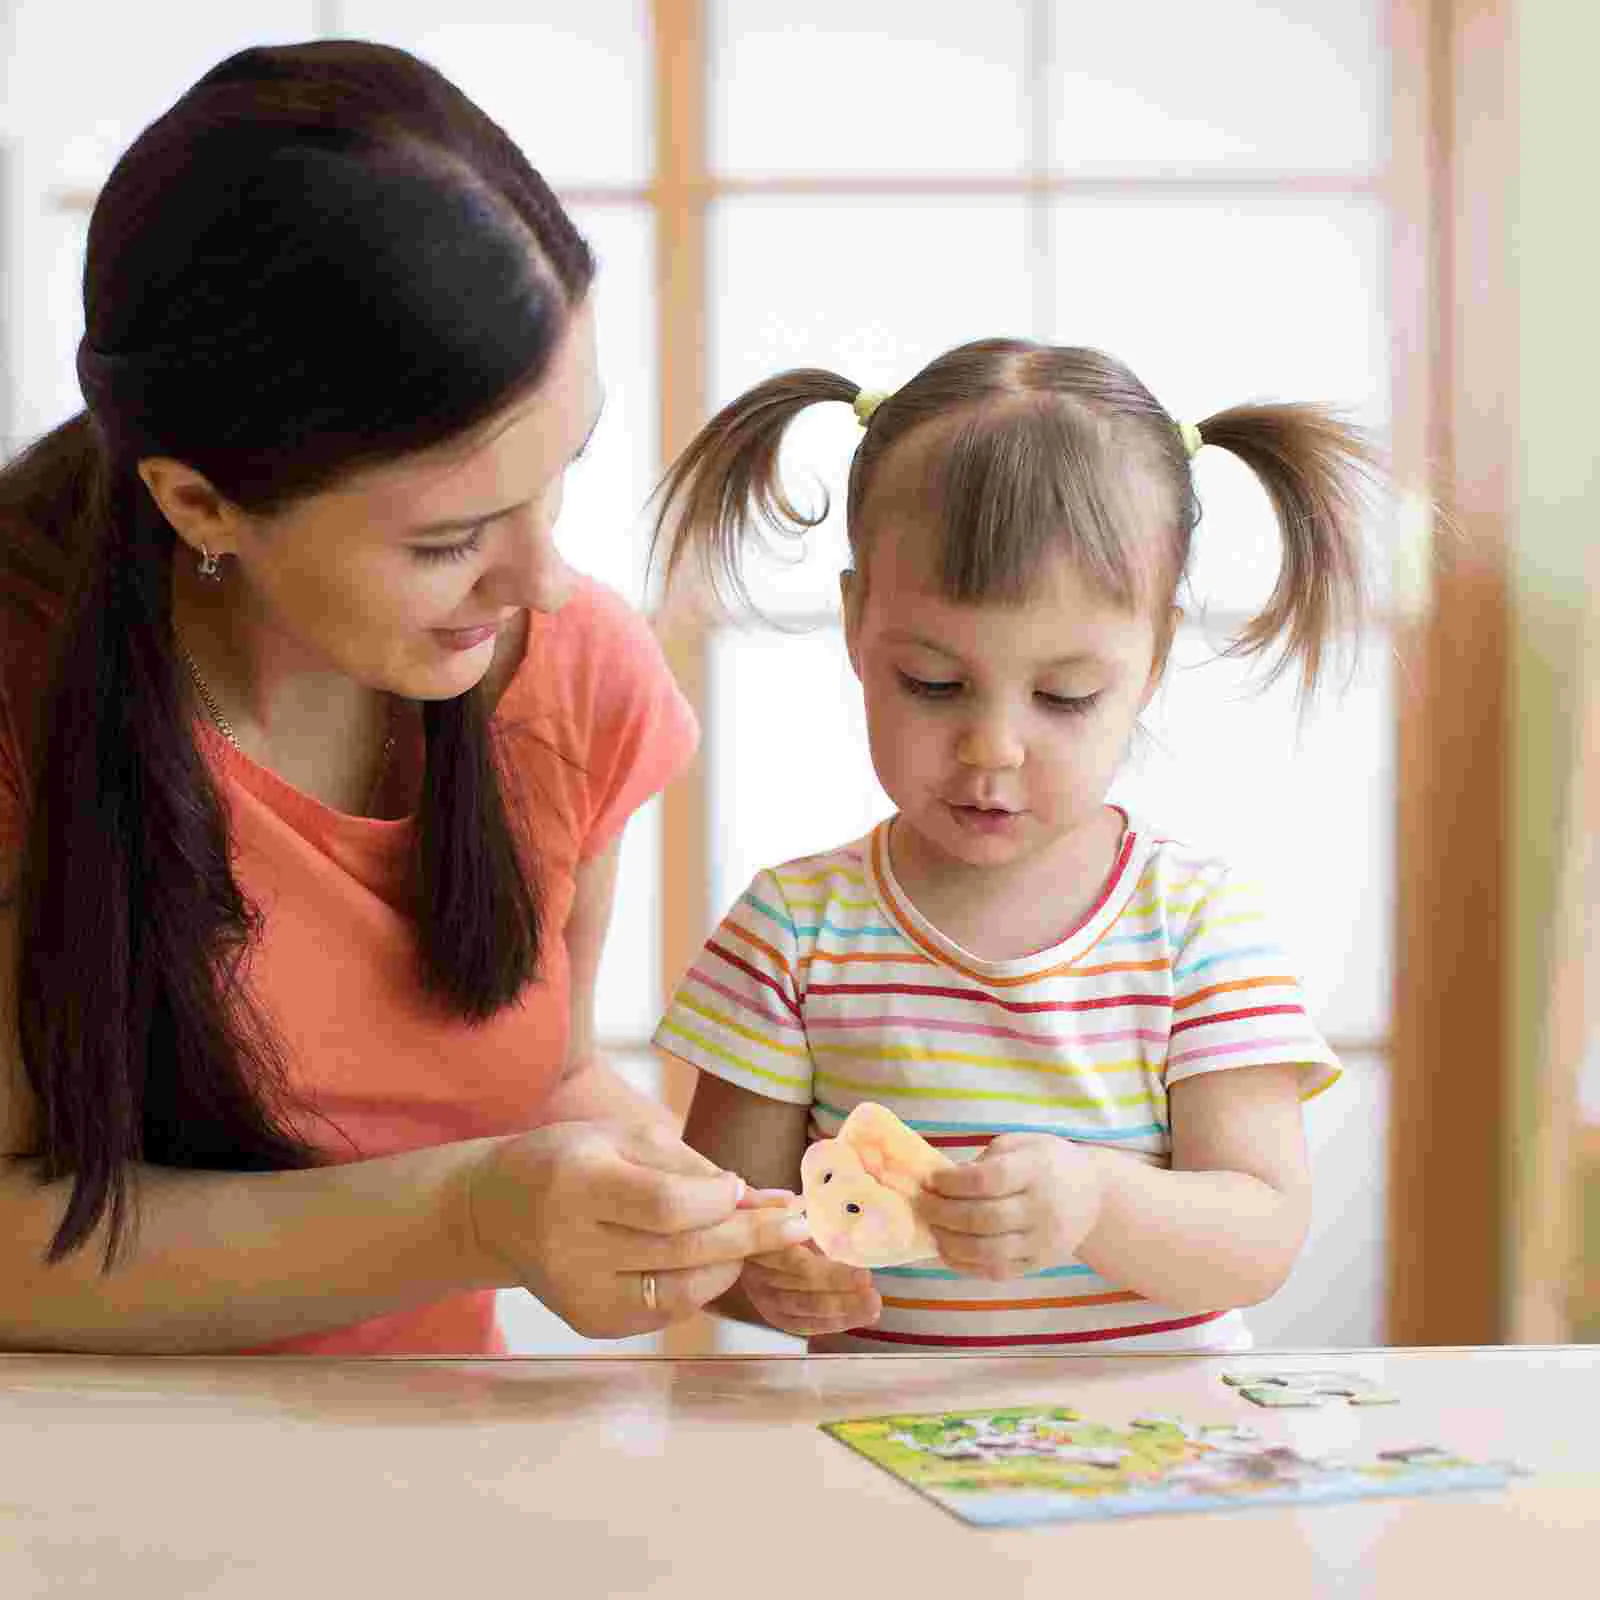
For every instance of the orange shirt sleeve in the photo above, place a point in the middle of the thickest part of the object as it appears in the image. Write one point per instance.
(595, 672)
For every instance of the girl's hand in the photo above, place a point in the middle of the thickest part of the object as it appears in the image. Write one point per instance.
(1026, 1203)
(799, 1290)
(619, 1229)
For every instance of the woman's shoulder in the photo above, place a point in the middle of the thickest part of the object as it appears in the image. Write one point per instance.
(597, 647)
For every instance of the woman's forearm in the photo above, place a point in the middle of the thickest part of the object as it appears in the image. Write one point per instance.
(1195, 1241)
(220, 1261)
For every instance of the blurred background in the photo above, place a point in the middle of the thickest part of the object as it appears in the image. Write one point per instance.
(1366, 202)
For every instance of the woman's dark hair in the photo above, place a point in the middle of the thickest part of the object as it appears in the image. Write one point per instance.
(323, 256)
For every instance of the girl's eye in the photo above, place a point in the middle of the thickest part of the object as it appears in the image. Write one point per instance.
(1073, 705)
(450, 552)
(930, 688)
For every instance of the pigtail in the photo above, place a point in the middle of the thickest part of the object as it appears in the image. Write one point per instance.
(1318, 472)
(724, 488)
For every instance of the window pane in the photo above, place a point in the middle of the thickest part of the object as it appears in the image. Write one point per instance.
(628, 988)
(84, 78)
(1297, 85)
(569, 80)
(603, 529)
(775, 794)
(1214, 303)
(873, 291)
(1308, 812)
(44, 343)
(868, 86)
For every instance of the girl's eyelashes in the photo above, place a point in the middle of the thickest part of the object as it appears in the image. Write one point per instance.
(450, 552)
(930, 688)
(1075, 705)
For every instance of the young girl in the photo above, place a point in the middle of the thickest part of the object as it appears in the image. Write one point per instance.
(1092, 1019)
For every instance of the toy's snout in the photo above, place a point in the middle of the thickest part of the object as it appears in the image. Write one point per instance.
(854, 1218)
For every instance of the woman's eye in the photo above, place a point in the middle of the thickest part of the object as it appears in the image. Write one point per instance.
(1073, 705)
(449, 552)
(930, 688)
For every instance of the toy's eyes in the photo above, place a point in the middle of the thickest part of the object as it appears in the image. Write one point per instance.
(827, 1177)
(853, 1209)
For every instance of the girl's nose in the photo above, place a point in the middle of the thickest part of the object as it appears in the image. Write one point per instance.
(990, 744)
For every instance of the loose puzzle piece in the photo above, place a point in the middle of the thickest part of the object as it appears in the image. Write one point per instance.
(859, 1186)
(1307, 1388)
(1045, 1463)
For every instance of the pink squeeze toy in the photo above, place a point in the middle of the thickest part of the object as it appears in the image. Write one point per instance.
(859, 1186)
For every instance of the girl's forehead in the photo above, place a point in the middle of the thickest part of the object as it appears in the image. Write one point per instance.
(1061, 616)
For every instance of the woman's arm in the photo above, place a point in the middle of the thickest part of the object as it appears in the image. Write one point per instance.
(220, 1261)
(591, 1089)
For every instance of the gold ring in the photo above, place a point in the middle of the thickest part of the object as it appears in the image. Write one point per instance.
(647, 1286)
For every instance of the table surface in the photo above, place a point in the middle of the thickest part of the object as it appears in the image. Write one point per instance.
(296, 1479)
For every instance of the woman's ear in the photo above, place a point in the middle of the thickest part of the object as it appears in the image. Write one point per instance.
(199, 514)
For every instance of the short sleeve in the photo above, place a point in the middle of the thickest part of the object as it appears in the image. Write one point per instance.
(737, 1013)
(643, 732)
(1236, 1001)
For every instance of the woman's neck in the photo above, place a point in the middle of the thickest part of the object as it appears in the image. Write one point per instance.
(319, 730)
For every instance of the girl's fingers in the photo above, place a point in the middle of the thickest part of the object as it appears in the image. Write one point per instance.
(847, 1310)
(978, 1218)
(1005, 1256)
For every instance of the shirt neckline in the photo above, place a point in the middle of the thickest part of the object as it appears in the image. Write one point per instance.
(1116, 891)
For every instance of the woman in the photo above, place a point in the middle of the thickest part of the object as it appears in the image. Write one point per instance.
(314, 757)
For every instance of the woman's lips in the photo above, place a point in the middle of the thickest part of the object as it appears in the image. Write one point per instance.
(466, 638)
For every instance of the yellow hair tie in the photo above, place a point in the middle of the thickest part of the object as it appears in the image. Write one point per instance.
(1190, 434)
(866, 402)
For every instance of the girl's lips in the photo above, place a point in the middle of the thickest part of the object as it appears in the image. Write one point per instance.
(980, 819)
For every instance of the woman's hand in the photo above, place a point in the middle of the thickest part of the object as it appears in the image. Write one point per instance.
(618, 1229)
(1028, 1202)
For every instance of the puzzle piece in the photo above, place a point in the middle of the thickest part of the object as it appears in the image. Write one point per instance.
(1307, 1387)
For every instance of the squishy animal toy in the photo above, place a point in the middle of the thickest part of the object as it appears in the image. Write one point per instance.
(859, 1187)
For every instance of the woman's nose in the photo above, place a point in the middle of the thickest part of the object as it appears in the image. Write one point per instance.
(533, 573)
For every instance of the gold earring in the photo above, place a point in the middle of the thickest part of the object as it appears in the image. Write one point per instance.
(209, 567)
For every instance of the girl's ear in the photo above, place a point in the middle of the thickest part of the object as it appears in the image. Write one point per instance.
(850, 604)
(1158, 664)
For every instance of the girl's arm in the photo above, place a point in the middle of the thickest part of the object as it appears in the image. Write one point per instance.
(1223, 1227)
(591, 1089)
(760, 1139)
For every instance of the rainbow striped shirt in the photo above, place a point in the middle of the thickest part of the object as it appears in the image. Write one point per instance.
(825, 987)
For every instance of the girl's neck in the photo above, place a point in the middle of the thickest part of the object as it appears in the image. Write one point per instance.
(1006, 913)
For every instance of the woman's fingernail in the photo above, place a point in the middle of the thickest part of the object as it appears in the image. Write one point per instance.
(738, 1193)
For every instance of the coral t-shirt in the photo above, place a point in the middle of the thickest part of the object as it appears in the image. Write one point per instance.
(593, 725)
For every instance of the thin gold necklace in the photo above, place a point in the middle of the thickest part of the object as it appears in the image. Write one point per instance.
(225, 728)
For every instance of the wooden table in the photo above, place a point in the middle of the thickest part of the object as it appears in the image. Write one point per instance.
(271, 1479)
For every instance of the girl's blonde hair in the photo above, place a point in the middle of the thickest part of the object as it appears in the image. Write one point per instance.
(1034, 450)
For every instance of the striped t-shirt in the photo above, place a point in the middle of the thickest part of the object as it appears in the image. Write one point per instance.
(825, 987)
